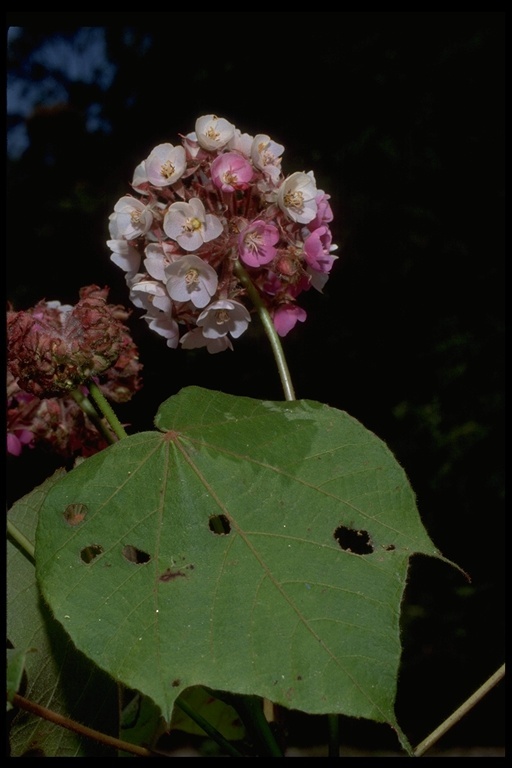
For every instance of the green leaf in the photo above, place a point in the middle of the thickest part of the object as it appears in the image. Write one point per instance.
(58, 677)
(219, 714)
(15, 669)
(250, 546)
(141, 722)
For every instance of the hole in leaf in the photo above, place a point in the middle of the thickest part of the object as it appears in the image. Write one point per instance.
(176, 683)
(75, 514)
(219, 524)
(135, 555)
(354, 541)
(88, 554)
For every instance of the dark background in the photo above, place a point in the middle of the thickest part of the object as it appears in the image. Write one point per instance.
(401, 117)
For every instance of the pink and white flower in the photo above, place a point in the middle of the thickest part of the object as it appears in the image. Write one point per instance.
(297, 197)
(124, 255)
(257, 243)
(230, 171)
(158, 257)
(203, 208)
(165, 165)
(266, 156)
(140, 179)
(194, 339)
(191, 279)
(213, 132)
(149, 294)
(131, 219)
(241, 142)
(222, 317)
(190, 225)
(165, 325)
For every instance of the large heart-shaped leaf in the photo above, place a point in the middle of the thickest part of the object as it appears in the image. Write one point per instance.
(248, 546)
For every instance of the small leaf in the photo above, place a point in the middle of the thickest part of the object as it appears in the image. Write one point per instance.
(250, 546)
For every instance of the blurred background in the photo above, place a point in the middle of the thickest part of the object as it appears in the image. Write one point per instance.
(401, 118)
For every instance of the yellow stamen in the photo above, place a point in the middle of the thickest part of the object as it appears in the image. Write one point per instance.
(192, 276)
(294, 200)
(167, 169)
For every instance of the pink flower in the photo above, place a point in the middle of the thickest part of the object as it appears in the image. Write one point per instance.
(230, 171)
(324, 213)
(286, 316)
(316, 249)
(17, 439)
(256, 244)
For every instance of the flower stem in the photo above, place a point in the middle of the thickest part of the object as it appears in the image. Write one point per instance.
(106, 410)
(91, 413)
(268, 325)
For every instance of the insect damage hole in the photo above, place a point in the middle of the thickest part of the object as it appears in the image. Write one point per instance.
(352, 540)
(219, 524)
(90, 553)
(74, 514)
(135, 555)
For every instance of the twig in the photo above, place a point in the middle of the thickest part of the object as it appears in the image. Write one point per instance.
(81, 730)
(459, 713)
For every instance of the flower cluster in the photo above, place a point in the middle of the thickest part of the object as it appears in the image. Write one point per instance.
(54, 349)
(201, 208)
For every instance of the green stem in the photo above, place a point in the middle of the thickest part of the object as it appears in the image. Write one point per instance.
(20, 539)
(250, 709)
(459, 713)
(208, 729)
(106, 410)
(268, 325)
(91, 413)
(334, 735)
